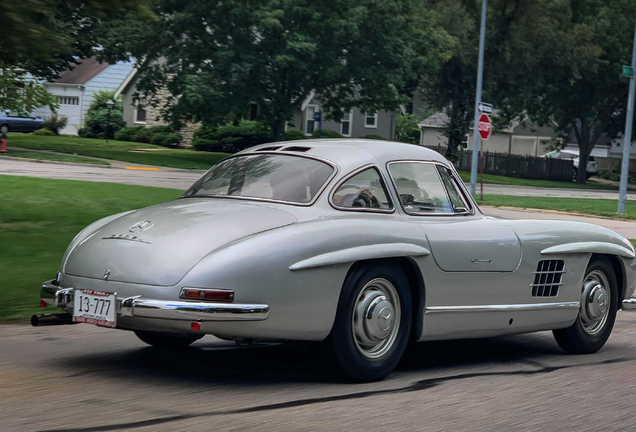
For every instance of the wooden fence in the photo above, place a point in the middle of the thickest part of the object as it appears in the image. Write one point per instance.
(530, 167)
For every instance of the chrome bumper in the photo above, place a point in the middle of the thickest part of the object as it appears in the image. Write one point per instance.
(164, 309)
(629, 304)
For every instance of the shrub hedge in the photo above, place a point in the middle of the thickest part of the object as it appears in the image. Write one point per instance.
(231, 138)
(327, 133)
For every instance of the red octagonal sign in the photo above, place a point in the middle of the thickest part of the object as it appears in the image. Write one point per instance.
(484, 126)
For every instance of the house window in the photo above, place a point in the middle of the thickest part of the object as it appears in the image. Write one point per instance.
(68, 100)
(140, 115)
(345, 125)
(371, 120)
(309, 119)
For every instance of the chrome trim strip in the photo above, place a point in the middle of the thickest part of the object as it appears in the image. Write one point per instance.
(195, 311)
(589, 247)
(629, 304)
(138, 306)
(502, 308)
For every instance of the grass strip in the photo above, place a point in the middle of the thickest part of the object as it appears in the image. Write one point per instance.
(598, 207)
(514, 181)
(147, 154)
(54, 157)
(39, 218)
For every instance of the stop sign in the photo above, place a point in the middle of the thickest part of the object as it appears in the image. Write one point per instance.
(484, 127)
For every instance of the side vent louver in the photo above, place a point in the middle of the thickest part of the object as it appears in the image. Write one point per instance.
(547, 278)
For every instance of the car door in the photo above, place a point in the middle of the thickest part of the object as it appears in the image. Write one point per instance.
(460, 241)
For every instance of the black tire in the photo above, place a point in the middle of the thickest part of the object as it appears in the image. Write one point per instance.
(369, 349)
(166, 340)
(595, 321)
(4, 128)
(575, 173)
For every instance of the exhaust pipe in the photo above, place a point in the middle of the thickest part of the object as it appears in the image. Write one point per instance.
(51, 319)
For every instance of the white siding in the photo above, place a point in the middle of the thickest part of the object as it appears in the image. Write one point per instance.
(72, 112)
(108, 79)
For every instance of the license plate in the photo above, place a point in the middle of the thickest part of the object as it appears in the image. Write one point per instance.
(94, 307)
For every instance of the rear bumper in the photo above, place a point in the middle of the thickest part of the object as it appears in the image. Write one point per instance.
(177, 310)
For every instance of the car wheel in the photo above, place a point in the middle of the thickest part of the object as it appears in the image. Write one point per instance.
(166, 340)
(373, 322)
(599, 300)
(4, 128)
(575, 174)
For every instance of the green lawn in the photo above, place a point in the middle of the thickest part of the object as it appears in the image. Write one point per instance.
(54, 157)
(38, 219)
(118, 150)
(503, 180)
(600, 207)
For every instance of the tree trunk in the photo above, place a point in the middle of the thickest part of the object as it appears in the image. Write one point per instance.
(278, 129)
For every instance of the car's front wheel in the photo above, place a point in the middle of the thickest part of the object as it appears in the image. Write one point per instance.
(597, 313)
(373, 322)
(166, 340)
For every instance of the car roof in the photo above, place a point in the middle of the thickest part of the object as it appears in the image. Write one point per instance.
(350, 153)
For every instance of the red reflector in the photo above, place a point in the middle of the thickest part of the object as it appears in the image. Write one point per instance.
(43, 304)
(218, 295)
(195, 326)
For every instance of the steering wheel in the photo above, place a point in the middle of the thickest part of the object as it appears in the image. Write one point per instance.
(363, 200)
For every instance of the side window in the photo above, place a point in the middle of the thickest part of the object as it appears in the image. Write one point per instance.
(420, 188)
(363, 190)
(458, 201)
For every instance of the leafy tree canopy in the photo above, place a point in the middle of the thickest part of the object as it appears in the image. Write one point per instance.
(215, 58)
(44, 37)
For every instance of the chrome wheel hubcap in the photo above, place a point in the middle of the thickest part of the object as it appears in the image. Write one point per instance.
(376, 318)
(595, 302)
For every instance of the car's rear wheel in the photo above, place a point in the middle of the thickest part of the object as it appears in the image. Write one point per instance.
(4, 128)
(166, 340)
(599, 303)
(373, 322)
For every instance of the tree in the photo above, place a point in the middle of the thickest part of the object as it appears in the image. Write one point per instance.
(45, 37)
(214, 58)
(20, 95)
(102, 122)
(589, 100)
(525, 41)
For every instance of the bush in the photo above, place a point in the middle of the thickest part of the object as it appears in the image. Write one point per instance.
(615, 175)
(294, 134)
(375, 137)
(327, 133)
(126, 133)
(97, 121)
(55, 123)
(166, 139)
(85, 132)
(44, 132)
(231, 138)
(407, 130)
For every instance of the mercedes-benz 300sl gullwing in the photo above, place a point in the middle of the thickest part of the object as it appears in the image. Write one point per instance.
(362, 245)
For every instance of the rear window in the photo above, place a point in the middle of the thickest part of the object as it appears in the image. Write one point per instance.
(287, 178)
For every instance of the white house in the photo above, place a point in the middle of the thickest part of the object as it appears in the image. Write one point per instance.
(75, 87)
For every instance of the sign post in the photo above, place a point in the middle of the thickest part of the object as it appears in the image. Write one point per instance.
(484, 127)
(627, 140)
(480, 75)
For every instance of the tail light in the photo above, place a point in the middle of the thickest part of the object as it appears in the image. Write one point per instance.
(207, 294)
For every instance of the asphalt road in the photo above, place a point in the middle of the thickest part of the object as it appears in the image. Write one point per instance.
(128, 173)
(84, 378)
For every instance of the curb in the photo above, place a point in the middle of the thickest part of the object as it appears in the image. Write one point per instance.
(589, 215)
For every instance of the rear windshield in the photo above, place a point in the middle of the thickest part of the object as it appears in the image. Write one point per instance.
(277, 177)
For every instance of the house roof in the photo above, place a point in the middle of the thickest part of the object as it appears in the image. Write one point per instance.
(437, 120)
(86, 70)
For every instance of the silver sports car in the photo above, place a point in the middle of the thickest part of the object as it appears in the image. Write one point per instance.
(362, 245)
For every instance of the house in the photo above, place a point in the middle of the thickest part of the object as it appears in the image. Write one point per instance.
(138, 113)
(355, 123)
(516, 139)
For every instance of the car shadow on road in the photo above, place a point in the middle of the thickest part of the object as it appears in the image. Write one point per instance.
(225, 363)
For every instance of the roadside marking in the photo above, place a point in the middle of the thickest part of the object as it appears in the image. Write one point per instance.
(142, 168)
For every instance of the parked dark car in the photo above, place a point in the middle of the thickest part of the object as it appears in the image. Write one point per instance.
(15, 123)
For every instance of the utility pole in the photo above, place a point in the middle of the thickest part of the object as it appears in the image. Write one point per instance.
(622, 194)
(480, 74)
